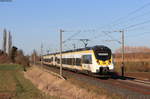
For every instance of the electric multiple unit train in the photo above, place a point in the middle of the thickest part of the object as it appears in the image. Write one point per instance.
(97, 59)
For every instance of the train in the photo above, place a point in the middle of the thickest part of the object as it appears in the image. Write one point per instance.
(96, 60)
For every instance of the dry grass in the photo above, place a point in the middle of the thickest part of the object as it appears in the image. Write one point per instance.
(134, 62)
(133, 57)
(134, 66)
(57, 87)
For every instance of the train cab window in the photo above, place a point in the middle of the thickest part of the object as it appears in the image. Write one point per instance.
(103, 55)
(87, 59)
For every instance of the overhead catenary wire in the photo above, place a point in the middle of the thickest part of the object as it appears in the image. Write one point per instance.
(137, 35)
(66, 47)
(131, 19)
(77, 32)
(126, 16)
(137, 24)
(107, 33)
(69, 38)
(129, 14)
(132, 12)
(139, 28)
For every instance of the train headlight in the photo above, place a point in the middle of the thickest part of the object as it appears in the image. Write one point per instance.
(98, 61)
(109, 61)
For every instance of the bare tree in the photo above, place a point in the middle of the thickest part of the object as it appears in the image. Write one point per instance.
(34, 56)
(22, 59)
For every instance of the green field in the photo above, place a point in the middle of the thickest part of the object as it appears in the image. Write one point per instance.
(14, 85)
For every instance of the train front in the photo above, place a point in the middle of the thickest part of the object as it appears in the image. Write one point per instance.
(103, 60)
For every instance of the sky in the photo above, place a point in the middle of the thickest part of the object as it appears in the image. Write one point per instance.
(36, 22)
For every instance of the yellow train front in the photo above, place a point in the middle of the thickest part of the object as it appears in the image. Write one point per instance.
(97, 59)
(102, 60)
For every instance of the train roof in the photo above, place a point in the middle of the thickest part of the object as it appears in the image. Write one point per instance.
(81, 49)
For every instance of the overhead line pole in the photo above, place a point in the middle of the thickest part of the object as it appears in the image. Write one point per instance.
(122, 66)
(41, 54)
(122, 51)
(34, 59)
(61, 31)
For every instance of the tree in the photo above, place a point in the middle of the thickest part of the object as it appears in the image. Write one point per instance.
(22, 59)
(34, 56)
(13, 53)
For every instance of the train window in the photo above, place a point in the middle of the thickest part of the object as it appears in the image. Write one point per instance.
(67, 61)
(58, 60)
(70, 61)
(87, 59)
(78, 61)
(64, 61)
(73, 63)
(55, 58)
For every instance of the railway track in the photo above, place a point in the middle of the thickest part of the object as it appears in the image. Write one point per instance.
(130, 88)
(140, 82)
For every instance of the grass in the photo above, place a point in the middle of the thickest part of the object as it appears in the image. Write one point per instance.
(13, 83)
